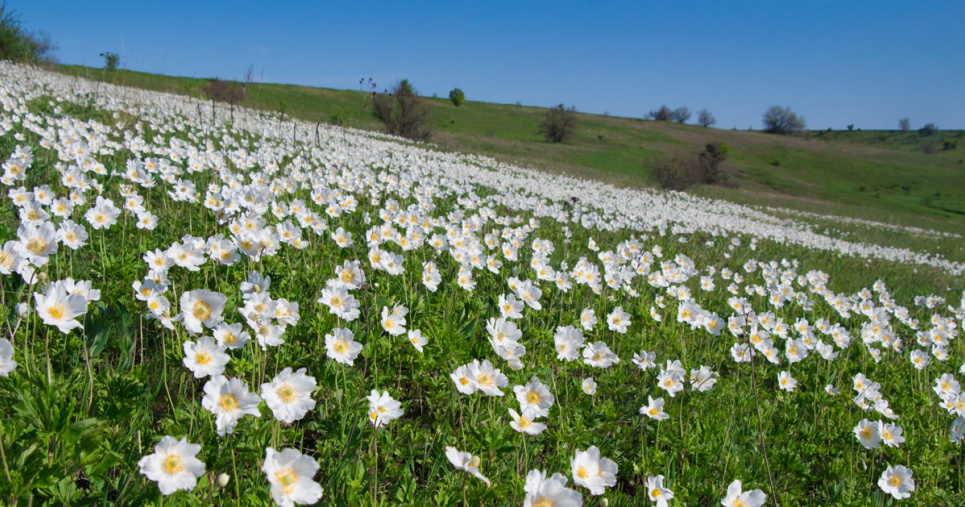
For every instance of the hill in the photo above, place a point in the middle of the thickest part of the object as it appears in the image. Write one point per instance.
(882, 176)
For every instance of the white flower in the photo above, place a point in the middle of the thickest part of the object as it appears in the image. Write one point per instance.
(526, 422)
(205, 358)
(340, 303)
(416, 339)
(542, 491)
(229, 401)
(231, 336)
(466, 461)
(618, 320)
(36, 243)
(462, 377)
(383, 408)
(703, 379)
(341, 346)
(599, 355)
(289, 395)
(58, 308)
(897, 482)
(588, 318)
(290, 474)
(654, 409)
(173, 465)
(670, 381)
(737, 497)
(786, 382)
(867, 434)
(7, 364)
(487, 379)
(202, 308)
(589, 386)
(593, 472)
(645, 360)
(534, 395)
(394, 322)
(656, 492)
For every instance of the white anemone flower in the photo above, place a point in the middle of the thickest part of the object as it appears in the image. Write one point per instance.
(897, 482)
(289, 395)
(542, 491)
(654, 409)
(526, 422)
(202, 308)
(535, 395)
(59, 308)
(7, 364)
(229, 401)
(341, 346)
(737, 497)
(383, 408)
(173, 466)
(467, 462)
(290, 474)
(657, 492)
(205, 358)
(593, 472)
(37, 243)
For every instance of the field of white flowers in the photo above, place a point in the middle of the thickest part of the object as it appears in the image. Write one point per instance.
(209, 309)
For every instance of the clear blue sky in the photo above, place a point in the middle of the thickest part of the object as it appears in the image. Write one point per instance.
(834, 62)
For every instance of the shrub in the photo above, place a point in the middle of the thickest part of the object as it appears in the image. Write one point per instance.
(111, 61)
(927, 130)
(558, 124)
(457, 97)
(403, 112)
(681, 115)
(904, 124)
(781, 120)
(678, 171)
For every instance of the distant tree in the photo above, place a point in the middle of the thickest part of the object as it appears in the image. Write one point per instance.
(403, 112)
(111, 61)
(681, 115)
(558, 124)
(457, 97)
(850, 127)
(662, 114)
(19, 45)
(927, 130)
(705, 118)
(781, 120)
(904, 124)
(679, 171)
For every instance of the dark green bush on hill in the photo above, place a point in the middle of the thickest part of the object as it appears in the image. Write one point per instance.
(457, 97)
(781, 120)
(403, 112)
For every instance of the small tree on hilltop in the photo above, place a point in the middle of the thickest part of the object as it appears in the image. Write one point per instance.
(705, 118)
(403, 113)
(781, 120)
(558, 124)
(457, 97)
(681, 115)
(662, 114)
(111, 61)
(904, 124)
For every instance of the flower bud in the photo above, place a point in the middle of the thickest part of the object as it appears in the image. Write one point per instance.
(21, 310)
(223, 480)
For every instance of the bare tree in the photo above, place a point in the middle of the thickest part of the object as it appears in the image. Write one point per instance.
(781, 120)
(249, 78)
(403, 113)
(681, 115)
(904, 124)
(558, 124)
(705, 118)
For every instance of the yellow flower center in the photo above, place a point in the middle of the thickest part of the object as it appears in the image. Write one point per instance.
(542, 501)
(484, 379)
(895, 481)
(582, 473)
(534, 397)
(287, 478)
(37, 245)
(654, 411)
(203, 358)
(286, 393)
(655, 492)
(201, 310)
(56, 310)
(172, 464)
(228, 402)
(341, 346)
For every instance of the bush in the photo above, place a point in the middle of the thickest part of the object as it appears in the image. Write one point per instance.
(927, 130)
(558, 124)
(678, 171)
(781, 120)
(111, 61)
(224, 91)
(457, 97)
(904, 124)
(18, 45)
(403, 113)
(681, 115)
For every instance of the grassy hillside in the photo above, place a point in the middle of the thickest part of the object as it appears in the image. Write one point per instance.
(884, 176)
